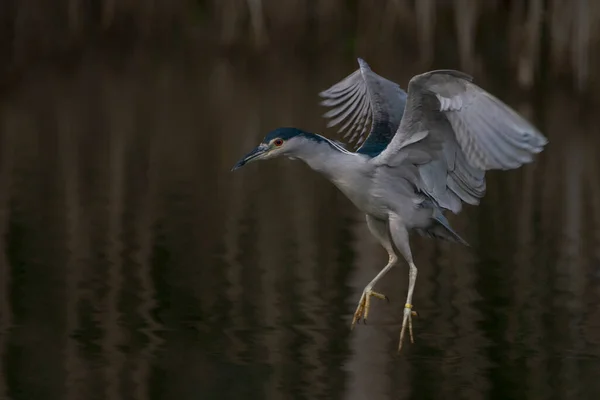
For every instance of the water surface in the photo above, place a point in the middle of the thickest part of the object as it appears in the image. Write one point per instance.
(136, 265)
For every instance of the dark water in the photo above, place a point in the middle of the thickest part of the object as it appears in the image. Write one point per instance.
(134, 265)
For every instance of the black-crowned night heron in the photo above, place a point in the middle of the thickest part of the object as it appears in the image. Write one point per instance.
(426, 152)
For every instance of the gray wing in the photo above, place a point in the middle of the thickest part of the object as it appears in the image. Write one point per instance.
(456, 131)
(367, 105)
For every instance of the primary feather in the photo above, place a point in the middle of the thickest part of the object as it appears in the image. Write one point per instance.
(368, 106)
(465, 130)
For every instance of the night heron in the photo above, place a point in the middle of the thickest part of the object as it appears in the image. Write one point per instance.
(426, 152)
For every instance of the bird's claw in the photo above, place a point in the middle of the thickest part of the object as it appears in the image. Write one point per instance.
(364, 304)
(408, 314)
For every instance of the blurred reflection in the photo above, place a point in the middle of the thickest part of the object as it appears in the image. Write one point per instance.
(135, 265)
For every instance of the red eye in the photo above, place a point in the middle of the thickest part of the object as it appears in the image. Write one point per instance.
(278, 142)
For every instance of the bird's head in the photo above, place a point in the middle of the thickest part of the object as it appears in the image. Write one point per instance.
(279, 142)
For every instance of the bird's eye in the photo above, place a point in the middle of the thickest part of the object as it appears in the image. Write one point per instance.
(278, 142)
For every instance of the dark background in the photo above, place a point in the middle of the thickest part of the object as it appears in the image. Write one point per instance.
(135, 265)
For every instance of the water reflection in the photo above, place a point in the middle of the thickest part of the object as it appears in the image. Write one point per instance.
(135, 265)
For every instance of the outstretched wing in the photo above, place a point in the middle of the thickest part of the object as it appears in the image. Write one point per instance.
(463, 131)
(368, 106)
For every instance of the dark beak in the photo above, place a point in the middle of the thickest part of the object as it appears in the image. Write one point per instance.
(255, 154)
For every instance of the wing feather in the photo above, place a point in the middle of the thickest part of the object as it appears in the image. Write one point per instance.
(492, 135)
(367, 107)
(467, 130)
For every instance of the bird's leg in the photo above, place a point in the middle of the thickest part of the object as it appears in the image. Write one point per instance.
(399, 235)
(408, 311)
(365, 300)
(379, 229)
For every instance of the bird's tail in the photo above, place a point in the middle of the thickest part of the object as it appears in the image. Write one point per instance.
(441, 229)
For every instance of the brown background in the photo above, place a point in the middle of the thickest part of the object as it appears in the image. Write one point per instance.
(134, 265)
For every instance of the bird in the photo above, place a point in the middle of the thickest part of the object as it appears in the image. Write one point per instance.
(421, 154)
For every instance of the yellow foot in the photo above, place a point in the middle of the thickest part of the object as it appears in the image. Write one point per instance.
(363, 305)
(408, 314)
